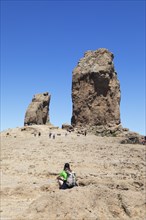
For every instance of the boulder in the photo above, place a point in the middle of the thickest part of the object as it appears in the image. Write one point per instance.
(67, 127)
(38, 110)
(132, 138)
(96, 91)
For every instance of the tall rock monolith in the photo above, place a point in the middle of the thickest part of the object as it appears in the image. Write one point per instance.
(95, 91)
(38, 110)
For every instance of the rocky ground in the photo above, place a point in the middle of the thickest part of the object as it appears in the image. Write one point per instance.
(110, 176)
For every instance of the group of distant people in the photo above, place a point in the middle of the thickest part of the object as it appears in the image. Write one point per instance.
(39, 134)
(51, 135)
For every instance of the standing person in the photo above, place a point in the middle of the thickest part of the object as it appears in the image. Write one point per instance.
(39, 134)
(67, 178)
(50, 135)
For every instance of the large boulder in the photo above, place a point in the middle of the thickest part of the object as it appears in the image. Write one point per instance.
(95, 91)
(67, 127)
(38, 110)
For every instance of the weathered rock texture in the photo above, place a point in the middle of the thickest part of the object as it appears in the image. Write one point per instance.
(38, 110)
(95, 91)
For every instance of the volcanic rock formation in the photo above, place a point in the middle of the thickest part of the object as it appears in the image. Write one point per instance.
(95, 91)
(38, 110)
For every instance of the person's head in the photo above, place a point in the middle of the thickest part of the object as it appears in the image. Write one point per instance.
(66, 166)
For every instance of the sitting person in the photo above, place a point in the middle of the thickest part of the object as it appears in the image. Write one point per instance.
(67, 178)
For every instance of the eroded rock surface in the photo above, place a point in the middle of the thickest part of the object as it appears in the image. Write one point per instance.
(38, 110)
(96, 91)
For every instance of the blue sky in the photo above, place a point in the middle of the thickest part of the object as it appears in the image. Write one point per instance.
(42, 42)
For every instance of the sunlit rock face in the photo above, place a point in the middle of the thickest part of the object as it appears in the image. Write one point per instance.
(95, 91)
(38, 110)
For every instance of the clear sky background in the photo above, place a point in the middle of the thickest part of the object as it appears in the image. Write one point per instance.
(42, 42)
